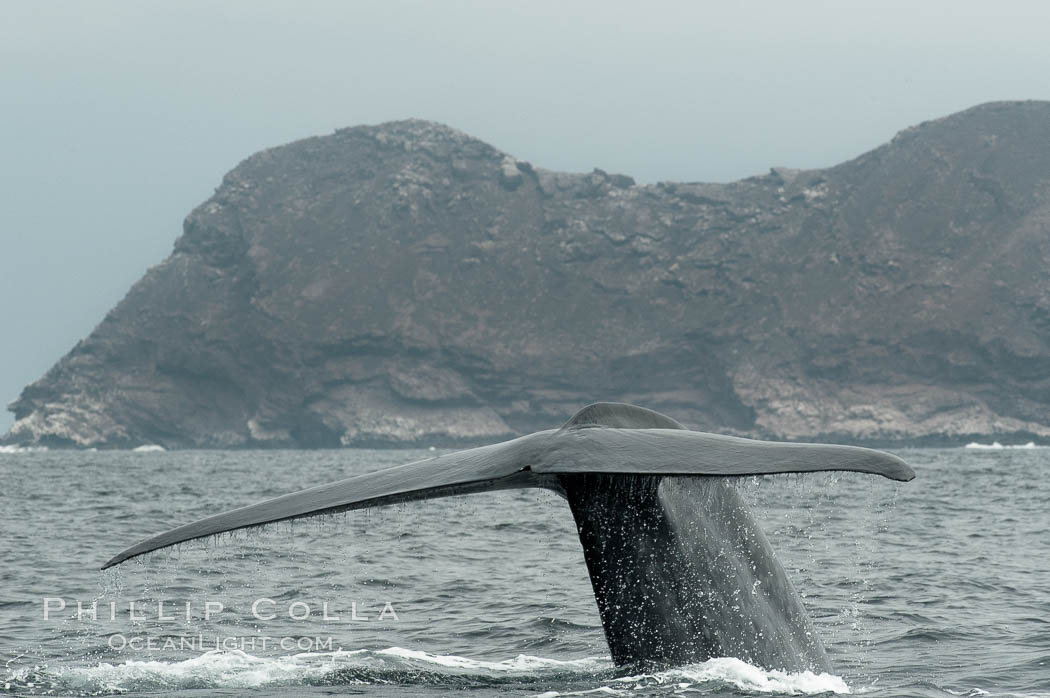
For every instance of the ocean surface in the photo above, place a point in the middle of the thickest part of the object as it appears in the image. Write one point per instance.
(937, 587)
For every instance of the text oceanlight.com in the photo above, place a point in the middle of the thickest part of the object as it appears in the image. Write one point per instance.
(228, 643)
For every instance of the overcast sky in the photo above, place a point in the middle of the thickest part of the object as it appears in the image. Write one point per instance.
(116, 118)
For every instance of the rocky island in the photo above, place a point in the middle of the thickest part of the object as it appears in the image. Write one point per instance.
(406, 284)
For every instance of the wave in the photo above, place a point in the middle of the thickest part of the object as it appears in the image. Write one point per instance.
(22, 449)
(996, 446)
(148, 448)
(235, 669)
(744, 677)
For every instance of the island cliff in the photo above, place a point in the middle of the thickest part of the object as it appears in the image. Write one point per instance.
(407, 284)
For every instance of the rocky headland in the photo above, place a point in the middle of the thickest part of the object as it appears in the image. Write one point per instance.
(406, 284)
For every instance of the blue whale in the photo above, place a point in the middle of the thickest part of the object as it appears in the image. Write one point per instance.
(681, 570)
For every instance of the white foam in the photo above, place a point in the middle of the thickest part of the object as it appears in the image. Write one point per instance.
(523, 663)
(22, 449)
(746, 677)
(236, 669)
(603, 690)
(149, 448)
(996, 446)
(225, 669)
(724, 670)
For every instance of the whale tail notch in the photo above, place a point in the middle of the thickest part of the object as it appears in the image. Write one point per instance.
(681, 571)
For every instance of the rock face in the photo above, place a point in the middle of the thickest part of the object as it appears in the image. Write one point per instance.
(407, 284)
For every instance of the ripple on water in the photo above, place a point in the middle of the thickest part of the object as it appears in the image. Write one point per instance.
(939, 587)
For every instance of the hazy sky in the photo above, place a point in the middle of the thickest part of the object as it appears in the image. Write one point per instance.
(116, 118)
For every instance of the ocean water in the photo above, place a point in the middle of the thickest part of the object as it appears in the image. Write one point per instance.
(937, 587)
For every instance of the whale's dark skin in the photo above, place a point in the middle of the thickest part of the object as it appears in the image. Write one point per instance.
(680, 569)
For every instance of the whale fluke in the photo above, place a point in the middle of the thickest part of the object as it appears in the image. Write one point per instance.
(495, 467)
(681, 571)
